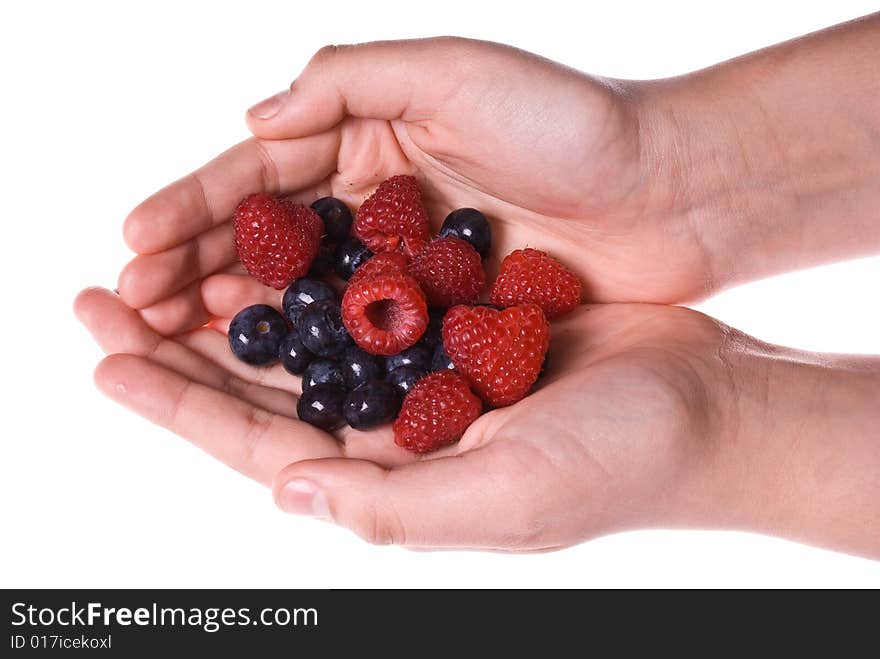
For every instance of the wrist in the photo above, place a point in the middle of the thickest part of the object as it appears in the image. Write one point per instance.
(768, 155)
(802, 459)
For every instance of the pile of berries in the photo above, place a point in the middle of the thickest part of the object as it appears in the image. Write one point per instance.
(409, 339)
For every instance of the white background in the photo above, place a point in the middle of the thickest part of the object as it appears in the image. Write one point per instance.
(105, 103)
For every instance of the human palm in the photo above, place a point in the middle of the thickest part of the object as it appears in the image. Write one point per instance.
(553, 158)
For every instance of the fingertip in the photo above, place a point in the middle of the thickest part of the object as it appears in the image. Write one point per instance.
(84, 302)
(128, 286)
(109, 375)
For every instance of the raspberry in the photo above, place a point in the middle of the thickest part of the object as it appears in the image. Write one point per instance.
(392, 215)
(276, 239)
(436, 412)
(498, 352)
(530, 275)
(450, 272)
(386, 263)
(385, 313)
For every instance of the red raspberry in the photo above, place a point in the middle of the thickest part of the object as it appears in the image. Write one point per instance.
(276, 239)
(394, 213)
(530, 275)
(385, 263)
(450, 272)
(385, 313)
(498, 352)
(436, 412)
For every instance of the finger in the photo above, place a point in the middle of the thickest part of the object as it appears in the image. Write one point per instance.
(119, 329)
(481, 498)
(225, 295)
(212, 344)
(249, 439)
(379, 80)
(150, 278)
(182, 312)
(208, 196)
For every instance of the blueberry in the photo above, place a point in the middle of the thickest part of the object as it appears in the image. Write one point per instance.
(301, 294)
(321, 406)
(404, 377)
(336, 216)
(322, 264)
(294, 355)
(418, 355)
(350, 256)
(471, 225)
(441, 360)
(323, 371)
(256, 333)
(321, 329)
(371, 404)
(359, 366)
(433, 333)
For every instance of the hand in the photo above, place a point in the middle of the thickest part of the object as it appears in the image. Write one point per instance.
(554, 157)
(621, 433)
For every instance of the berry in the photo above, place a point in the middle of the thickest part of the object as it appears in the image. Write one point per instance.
(323, 371)
(371, 404)
(450, 272)
(301, 294)
(441, 361)
(418, 356)
(322, 264)
(530, 275)
(393, 217)
(276, 239)
(499, 352)
(405, 377)
(336, 216)
(385, 263)
(255, 334)
(434, 333)
(385, 313)
(321, 406)
(436, 412)
(359, 367)
(295, 357)
(471, 225)
(350, 256)
(321, 329)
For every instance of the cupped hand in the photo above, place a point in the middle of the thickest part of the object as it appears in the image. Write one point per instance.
(558, 160)
(624, 430)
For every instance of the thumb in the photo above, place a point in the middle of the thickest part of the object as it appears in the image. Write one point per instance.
(467, 500)
(378, 80)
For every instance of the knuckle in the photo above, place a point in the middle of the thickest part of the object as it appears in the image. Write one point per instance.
(381, 528)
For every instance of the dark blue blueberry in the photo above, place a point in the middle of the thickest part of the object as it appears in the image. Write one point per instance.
(441, 360)
(471, 225)
(337, 218)
(433, 333)
(350, 256)
(301, 294)
(322, 406)
(294, 355)
(322, 264)
(359, 366)
(321, 329)
(371, 404)
(404, 377)
(418, 355)
(255, 334)
(323, 371)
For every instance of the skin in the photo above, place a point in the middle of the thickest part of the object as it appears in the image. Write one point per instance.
(666, 191)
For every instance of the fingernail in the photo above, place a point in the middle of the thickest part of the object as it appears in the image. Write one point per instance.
(302, 497)
(269, 108)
